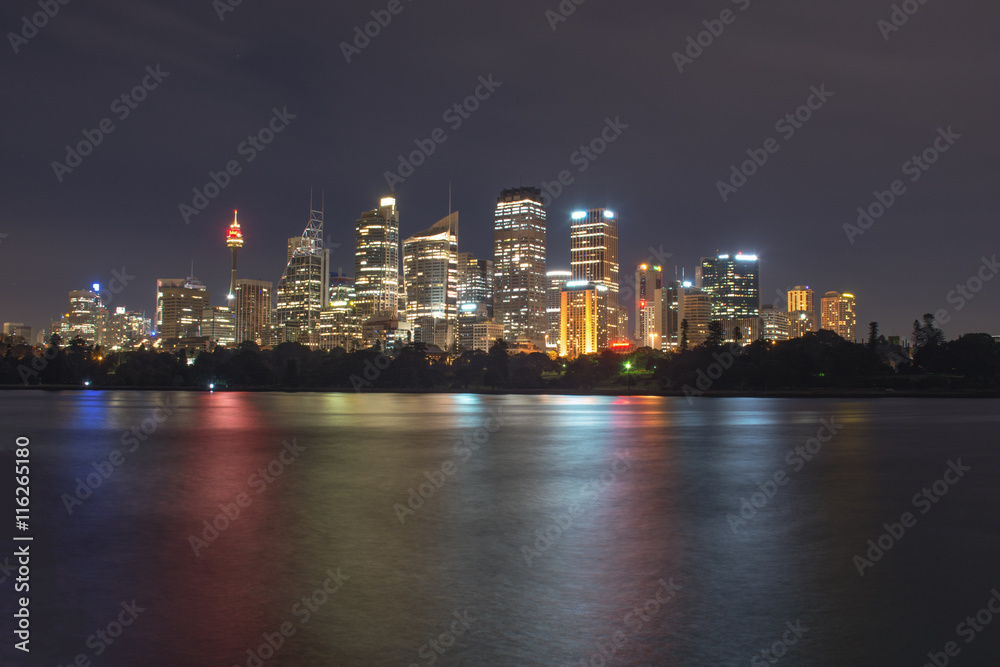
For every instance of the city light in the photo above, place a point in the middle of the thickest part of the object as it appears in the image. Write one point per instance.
(579, 215)
(609, 214)
(746, 258)
(97, 287)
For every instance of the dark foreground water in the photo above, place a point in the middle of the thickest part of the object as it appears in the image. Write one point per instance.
(503, 530)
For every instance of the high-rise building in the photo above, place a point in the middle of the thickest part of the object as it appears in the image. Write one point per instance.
(252, 306)
(17, 331)
(801, 311)
(304, 288)
(649, 306)
(430, 273)
(376, 262)
(698, 315)
(339, 325)
(127, 330)
(85, 317)
(234, 241)
(839, 315)
(672, 308)
(180, 306)
(775, 321)
(583, 316)
(475, 281)
(219, 326)
(485, 335)
(594, 258)
(519, 265)
(553, 306)
(733, 282)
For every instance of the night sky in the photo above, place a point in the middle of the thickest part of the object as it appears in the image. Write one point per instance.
(557, 88)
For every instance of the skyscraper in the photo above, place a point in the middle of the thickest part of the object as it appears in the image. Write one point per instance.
(697, 315)
(839, 315)
(180, 306)
(219, 326)
(253, 310)
(519, 265)
(775, 323)
(594, 258)
(376, 262)
(430, 273)
(339, 326)
(649, 306)
(801, 311)
(85, 316)
(304, 288)
(733, 282)
(475, 281)
(553, 306)
(582, 317)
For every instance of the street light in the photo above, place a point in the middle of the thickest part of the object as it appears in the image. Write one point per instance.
(628, 378)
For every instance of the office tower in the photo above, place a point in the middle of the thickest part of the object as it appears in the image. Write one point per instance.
(219, 326)
(475, 281)
(84, 319)
(180, 305)
(430, 273)
(733, 282)
(127, 330)
(775, 323)
(649, 306)
(376, 262)
(519, 265)
(698, 315)
(742, 330)
(234, 241)
(594, 258)
(672, 309)
(583, 316)
(338, 323)
(553, 306)
(485, 335)
(839, 315)
(801, 311)
(304, 288)
(252, 306)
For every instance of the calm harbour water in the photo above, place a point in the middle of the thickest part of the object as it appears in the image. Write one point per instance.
(550, 526)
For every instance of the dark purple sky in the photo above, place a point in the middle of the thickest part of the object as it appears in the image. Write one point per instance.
(120, 207)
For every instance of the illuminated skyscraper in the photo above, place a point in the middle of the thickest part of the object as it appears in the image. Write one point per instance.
(733, 282)
(582, 317)
(339, 325)
(553, 306)
(775, 323)
(839, 315)
(475, 281)
(649, 306)
(594, 258)
(519, 265)
(219, 325)
(304, 288)
(698, 315)
(180, 306)
(376, 262)
(801, 311)
(234, 241)
(253, 310)
(85, 316)
(430, 273)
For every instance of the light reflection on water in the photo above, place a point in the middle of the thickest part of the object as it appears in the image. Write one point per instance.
(646, 482)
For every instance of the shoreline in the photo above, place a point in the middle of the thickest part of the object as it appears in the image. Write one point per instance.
(610, 392)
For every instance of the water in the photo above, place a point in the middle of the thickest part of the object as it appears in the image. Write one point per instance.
(545, 545)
